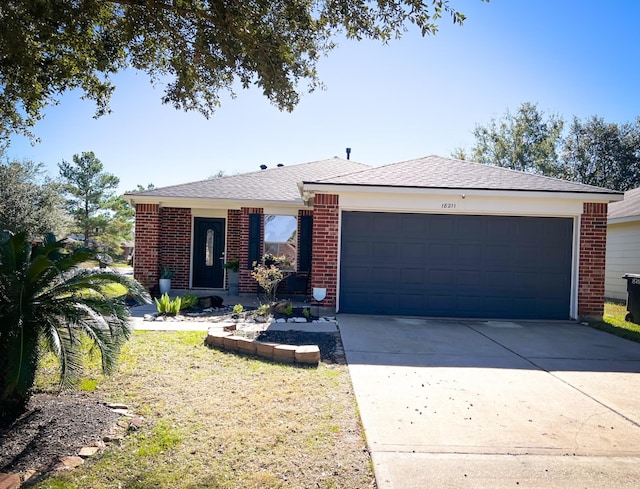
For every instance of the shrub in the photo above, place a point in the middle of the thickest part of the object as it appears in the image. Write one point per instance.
(48, 300)
(263, 309)
(188, 300)
(237, 309)
(168, 306)
(289, 309)
(268, 274)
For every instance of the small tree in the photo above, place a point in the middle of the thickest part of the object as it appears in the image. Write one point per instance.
(269, 275)
(47, 299)
(90, 189)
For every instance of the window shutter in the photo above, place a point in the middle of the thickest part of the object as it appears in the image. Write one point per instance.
(306, 240)
(255, 228)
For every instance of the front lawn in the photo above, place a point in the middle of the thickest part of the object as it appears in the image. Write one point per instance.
(217, 420)
(613, 322)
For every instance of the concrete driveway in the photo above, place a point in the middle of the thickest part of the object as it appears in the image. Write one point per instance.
(477, 404)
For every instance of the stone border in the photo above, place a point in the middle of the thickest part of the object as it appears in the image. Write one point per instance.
(226, 340)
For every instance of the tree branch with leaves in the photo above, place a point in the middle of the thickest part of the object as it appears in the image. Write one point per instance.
(196, 48)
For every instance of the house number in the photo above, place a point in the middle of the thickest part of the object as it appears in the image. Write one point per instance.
(448, 205)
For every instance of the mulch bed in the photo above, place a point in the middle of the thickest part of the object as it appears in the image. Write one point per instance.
(53, 427)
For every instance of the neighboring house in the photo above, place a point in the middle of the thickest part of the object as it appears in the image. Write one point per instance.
(623, 244)
(432, 236)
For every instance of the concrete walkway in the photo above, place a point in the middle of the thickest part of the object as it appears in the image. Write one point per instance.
(449, 404)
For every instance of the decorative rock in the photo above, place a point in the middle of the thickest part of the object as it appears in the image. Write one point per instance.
(28, 474)
(149, 317)
(265, 349)
(68, 463)
(86, 452)
(121, 412)
(117, 405)
(216, 338)
(111, 438)
(9, 481)
(160, 318)
(246, 345)
(282, 306)
(135, 423)
(260, 319)
(299, 320)
(281, 320)
(308, 354)
(285, 353)
(211, 301)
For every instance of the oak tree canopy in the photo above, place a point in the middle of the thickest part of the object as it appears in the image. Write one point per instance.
(196, 49)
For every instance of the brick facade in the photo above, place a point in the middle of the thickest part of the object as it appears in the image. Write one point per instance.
(147, 244)
(234, 242)
(175, 244)
(593, 242)
(163, 237)
(324, 264)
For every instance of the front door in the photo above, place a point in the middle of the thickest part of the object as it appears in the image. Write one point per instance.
(208, 253)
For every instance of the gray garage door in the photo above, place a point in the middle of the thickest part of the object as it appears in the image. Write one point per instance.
(456, 266)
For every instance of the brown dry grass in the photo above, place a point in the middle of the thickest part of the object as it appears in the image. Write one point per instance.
(218, 420)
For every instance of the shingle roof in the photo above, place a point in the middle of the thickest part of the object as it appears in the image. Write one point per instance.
(629, 207)
(437, 172)
(272, 184)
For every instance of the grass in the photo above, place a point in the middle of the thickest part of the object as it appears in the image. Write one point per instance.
(216, 420)
(613, 322)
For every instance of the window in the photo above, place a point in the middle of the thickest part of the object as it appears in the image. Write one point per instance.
(208, 248)
(281, 237)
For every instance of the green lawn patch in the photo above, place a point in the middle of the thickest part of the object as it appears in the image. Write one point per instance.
(613, 322)
(216, 420)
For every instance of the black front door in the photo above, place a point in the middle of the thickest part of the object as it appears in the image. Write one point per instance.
(208, 252)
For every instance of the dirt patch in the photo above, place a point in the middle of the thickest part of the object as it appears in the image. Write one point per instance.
(51, 428)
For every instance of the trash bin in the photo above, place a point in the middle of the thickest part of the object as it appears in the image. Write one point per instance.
(633, 297)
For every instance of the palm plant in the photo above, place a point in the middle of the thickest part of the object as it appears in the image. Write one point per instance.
(48, 302)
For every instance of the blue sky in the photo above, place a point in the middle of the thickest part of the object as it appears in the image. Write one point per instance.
(410, 98)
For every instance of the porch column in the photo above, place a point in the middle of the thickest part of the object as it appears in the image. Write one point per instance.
(593, 242)
(324, 263)
(147, 244)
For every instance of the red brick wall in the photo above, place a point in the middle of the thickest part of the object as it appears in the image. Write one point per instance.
(233, 250)
(147, 243)
(175, 243)
(324, 264)
(593, 242)
(247, 284)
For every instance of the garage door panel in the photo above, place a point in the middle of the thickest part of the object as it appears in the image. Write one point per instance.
(383, 275)
(355, 249)
(470, 255)
(458, 266)
(441, 252)
(386, 225)
(412, 277)
(412, 251)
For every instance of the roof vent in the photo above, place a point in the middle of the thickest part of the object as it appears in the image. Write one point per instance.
(348, 153)
(280, 165)
(263, 167)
